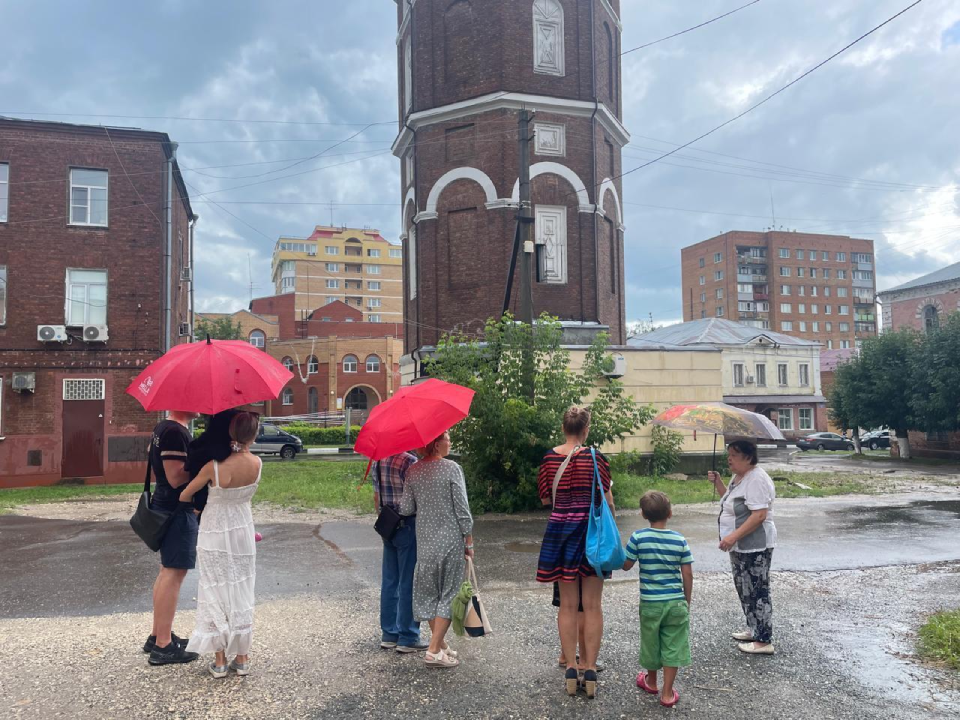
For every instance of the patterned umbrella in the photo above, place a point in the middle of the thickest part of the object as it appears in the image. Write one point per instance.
(719, 419)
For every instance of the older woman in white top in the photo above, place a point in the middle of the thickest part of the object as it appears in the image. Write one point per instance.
(747, 532)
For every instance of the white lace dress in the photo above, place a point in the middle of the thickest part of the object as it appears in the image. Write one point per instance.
(227, 556)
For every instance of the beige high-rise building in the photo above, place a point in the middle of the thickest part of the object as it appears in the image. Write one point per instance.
(815, 287)
(356, 266)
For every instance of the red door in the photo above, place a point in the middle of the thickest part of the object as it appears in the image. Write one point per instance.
(83, 428)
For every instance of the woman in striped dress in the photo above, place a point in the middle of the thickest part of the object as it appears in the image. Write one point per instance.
(563, 552)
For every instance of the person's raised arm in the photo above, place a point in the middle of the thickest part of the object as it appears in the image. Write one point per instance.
(717, 481)
(203, 477)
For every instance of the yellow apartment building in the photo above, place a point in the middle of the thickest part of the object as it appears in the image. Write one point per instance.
(356, 266)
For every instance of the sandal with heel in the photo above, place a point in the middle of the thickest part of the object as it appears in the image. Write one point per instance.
(590, 683)
(571, 681)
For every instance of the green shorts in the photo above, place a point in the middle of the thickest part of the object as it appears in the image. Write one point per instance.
(664, 634)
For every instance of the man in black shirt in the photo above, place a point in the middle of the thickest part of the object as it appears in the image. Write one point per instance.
(178, 553)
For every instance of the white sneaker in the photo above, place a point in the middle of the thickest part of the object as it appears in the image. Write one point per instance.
(744, 636)
(752, 648)
(440, 660)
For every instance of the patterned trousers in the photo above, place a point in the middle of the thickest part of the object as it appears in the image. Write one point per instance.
(751, 576)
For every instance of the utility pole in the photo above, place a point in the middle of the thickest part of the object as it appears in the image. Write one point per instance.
(525, 220)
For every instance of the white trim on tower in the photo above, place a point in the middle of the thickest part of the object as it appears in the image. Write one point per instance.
(460, 173)
(547, 168)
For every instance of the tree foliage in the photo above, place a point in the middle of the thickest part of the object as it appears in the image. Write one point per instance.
(524, 383)
(221, 328)
(935, 400)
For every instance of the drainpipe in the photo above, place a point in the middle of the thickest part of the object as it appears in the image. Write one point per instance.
(593, 130)
(193, 224)
(168, 252)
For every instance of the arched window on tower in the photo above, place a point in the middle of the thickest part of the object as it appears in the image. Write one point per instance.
(548, 55)
(931, 318)
(611, 67)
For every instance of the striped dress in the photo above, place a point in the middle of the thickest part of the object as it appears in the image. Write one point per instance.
(563, 552)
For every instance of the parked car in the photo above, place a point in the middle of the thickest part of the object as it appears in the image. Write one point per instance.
(876, 439)
(271, 440)
(824, 441)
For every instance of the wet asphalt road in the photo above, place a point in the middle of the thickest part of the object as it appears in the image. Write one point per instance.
(853, 580)
(58, 567)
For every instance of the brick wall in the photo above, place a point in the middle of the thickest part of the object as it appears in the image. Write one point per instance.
(38, 245)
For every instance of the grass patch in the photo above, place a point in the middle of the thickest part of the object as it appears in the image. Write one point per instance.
(312, 484)
(885, 456)
(940, 638)
(627, 489)
(11, 498)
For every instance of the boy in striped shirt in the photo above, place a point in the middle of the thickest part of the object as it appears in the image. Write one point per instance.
(666, 584)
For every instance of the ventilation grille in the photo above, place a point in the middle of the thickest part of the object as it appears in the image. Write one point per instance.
(83, 390)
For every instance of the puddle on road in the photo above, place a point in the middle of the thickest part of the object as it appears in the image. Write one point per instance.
(523, 547)
(919, 512)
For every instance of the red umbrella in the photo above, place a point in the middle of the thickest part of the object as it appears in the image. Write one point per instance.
(209, 377)
(414, 416)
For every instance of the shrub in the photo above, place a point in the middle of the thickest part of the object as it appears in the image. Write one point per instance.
(667, 448)
(313, 435)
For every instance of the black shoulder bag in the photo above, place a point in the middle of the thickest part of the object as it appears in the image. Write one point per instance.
(388, 520)
(150, 524)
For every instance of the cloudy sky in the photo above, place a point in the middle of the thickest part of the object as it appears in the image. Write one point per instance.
(866, 146)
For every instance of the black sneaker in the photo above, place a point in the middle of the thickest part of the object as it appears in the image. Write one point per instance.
(151, 642)
(414, 648)
(172, 654)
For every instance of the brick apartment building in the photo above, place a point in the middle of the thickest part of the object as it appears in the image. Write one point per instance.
(922, 304)
(357, 267)
(95, 283)
(815, 287)
(465, 70)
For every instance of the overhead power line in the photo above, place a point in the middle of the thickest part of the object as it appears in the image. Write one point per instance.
(769, 97)
(690, 29)
(266, 121)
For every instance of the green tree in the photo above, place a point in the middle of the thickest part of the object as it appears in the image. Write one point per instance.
(876, 388)
(512, 425)
(221, 328)
(844, 394)
(935, 399)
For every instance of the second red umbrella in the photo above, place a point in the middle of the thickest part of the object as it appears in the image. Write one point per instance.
(413, 417)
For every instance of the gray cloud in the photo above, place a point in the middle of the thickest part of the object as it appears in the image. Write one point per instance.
(885, 112)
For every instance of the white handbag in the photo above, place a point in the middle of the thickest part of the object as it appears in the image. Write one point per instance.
(475, 622)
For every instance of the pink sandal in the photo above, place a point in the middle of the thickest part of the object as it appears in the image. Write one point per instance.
(642, 683)
(676, 699)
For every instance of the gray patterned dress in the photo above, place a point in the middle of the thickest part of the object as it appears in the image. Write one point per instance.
(436, 492)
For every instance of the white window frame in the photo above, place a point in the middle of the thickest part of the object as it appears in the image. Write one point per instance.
(350, 363)
(375, 318)
(786, 326)
(550, 232)
(841, 274)
(89, 189)
(738, 374)
(841, 257)
(783, 374)
(718, 275)
(788, 425)
(800, 254)
(373, 252)
(804, 374)
(3, 299)
(4, 192)
(785, 271)
(333, 267)
(331, 250)
(374, 302)
(333, 284)
(805, 418)
(760, 374)
(719, 293)
(374, 285)
(786, 307)
(373, 269)
(287, 396)
(717, 258)
(86, 285)
(703, 280)
(260, 336)
(396, 253)
(703, 262)
(784, 253)
(703, 297)
(843, 310)
(720, 311)
(288, 363)
(825, 255)
(376, 363)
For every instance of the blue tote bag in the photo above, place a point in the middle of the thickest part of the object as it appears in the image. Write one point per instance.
(604, 549)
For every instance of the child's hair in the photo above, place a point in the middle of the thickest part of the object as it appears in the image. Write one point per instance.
(243, 427)
(655, 506)
(576, 420)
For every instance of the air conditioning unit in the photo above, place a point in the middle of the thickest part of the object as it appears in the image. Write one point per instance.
(750, 379)
(186, 274)
(183, 329)
(52, 333)
(24, 382)
(615, 366)
(95, 333)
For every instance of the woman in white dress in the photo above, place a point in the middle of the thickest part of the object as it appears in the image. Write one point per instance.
(227, 552)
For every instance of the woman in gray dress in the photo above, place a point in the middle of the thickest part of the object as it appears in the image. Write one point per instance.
(436, 492)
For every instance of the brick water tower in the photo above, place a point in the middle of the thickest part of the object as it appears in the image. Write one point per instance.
(467, 70)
